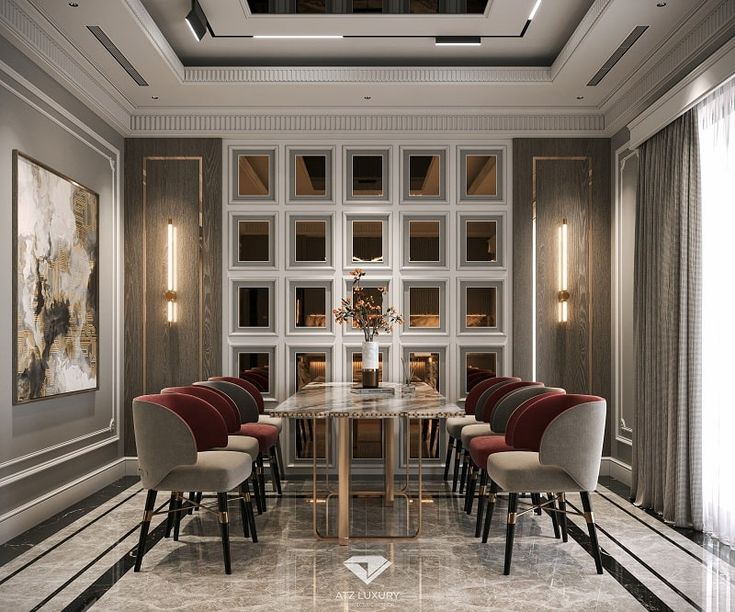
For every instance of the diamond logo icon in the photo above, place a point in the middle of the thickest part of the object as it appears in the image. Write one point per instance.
(367, 567)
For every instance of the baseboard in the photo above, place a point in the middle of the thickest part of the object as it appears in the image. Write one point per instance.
(131, 466)
(616, 469)
(30, 514)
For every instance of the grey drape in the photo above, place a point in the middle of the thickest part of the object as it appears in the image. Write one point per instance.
(667, 444)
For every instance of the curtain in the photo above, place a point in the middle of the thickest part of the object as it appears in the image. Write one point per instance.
(717, 150)
(667, 445)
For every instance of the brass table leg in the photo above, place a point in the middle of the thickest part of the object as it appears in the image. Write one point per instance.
(344, 448)
(389, 457)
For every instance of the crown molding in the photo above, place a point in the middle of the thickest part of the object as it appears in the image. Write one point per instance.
(379, 74)
(232, 124)
(28, 29)
(670, 60)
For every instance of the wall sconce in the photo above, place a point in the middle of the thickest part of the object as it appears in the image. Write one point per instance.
(170, 294)
(563, 273)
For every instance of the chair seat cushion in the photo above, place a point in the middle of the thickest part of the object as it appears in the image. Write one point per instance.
(214, 470)
(242, 444)
(475, 431)
(455, 424)
(266, 435)
(484, 446)
(277, 422)
(522, 471)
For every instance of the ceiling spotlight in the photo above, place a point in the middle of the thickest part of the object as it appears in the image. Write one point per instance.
(457, 41)
(367, 97)
(296, 36)
(74, 4)
(580, 97)
(154, 97)
(534, 9)
(661, 4)
(197, 20)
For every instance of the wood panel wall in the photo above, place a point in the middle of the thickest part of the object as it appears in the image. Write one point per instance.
(180, 179)
(569, 178)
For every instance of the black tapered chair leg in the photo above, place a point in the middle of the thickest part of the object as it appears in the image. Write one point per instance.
(192, 499)
(177, 513)
(492, 496)
(256, 489)
(261, 481)
(199, 497)
(481, 502)
(553, 514)
(276, 472)
(250, 513)
(563, 517)
(145, 525)
(590, 519)
(243, 511)
(471, 487)
(536, 501)
(465, 469)
(170, 515)
(510, 531)
(450, 447)
(224, 524)
(457, 459)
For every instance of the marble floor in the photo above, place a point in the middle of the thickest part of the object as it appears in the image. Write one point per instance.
(82, 559)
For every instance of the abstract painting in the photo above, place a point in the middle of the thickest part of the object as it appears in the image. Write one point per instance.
(55, 290)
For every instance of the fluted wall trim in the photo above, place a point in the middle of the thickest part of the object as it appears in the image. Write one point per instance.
(21, 23)
(229, 124)
(633, 101)
(384, 74)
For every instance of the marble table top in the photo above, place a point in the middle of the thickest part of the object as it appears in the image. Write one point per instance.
(321, 400)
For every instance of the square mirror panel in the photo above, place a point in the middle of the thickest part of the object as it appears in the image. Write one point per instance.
(253, 307)
(255, 366)
(425, 368)
(481, 241)
(424, 241)
(254, 241)
(367, 175)
(310, 308)
(310, 175)
(481, 175)
(424, 307)
(477, 360)
(480, 307)
(372, 294)
(424, 175)
(367, 241)
(253, 175)
(311, 241)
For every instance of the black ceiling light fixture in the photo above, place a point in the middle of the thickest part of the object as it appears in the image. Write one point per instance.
(197, 20)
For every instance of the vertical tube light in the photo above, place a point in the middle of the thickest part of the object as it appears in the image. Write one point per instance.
(170, 294)
(563, 273)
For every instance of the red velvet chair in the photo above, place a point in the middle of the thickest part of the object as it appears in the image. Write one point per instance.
(176, 435)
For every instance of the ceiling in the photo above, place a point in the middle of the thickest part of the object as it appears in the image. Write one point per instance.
(384, 64)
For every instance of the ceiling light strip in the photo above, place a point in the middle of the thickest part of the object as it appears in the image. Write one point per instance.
(617, 55)
(298, 36)
(112, 49)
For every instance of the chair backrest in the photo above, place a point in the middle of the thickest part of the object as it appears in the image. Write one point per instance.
(473, 396)
(573, 440)
(247, 386)
(169, 431)
(509, 403)
(477, 376)
(490, 398)
(218, 400)
(258, 379)
(244, 402)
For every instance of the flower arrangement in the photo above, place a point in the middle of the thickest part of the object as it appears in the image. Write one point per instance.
(366, 314)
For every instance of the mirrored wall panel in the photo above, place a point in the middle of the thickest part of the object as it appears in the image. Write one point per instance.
(481, 307)
(425, 366)
(356, 365)
(424, 241)
(424, 306)
(253, 241)
(480, 175)
(376, 289)
(255, 308)
(367, 175)
(310, 241)
(367, 241)
(424, 175)
(310, 175)
(309, 365)
(253, 175)
(255, 364)
(480, 359)
(481, 241)
(311, 305)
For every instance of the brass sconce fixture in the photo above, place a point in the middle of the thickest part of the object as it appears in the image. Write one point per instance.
(563, 273)
(170, 294)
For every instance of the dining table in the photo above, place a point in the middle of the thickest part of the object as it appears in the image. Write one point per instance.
(340, 404)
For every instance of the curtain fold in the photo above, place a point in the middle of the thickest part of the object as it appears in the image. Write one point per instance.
(667, 446)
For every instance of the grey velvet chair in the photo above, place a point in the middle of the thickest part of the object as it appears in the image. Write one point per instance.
(561, 437)
(174, 435)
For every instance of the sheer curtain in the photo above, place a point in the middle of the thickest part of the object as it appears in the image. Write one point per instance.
(717, 153)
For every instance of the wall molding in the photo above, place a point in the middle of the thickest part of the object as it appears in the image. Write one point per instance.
(671, 58)
(610, 466)
(218, 124)
(23, 25)
(30, 514)
(380, 74)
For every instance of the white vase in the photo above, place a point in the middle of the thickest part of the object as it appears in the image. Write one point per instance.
(370, 360)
